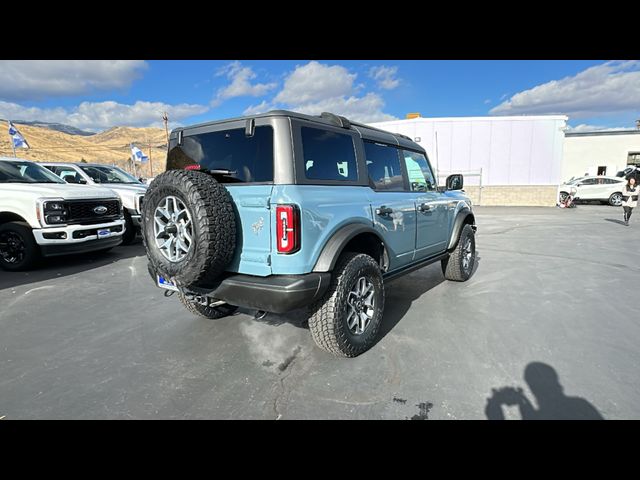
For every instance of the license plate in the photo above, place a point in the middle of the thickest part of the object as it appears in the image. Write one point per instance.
(104, 233)
(164, 283)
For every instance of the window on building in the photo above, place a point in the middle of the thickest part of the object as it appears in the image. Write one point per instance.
(633, 158)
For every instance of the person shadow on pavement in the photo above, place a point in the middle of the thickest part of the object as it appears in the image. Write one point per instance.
(552, 403)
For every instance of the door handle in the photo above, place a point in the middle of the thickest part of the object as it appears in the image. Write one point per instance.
(424, 207)
(383, 210)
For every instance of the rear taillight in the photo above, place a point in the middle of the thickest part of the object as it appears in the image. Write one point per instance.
(288, 228)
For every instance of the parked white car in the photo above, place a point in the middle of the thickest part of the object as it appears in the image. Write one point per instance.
(130, 190)
(600, 188)
(41, 215)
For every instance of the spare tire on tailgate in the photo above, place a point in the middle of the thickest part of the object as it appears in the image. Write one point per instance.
(189, 227)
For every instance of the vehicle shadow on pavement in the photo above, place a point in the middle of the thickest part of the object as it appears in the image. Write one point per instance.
(402, 292)
(614, 221)
(552, 403)
(56, 267)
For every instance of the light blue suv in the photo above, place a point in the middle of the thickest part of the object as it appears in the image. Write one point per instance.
(282, 210)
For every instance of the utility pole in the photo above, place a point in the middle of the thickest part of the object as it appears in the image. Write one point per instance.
(150, 160)
(165, 119)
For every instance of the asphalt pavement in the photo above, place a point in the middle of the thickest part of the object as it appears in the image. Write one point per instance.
(547, 327)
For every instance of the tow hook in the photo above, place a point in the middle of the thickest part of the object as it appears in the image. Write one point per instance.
(260, 314)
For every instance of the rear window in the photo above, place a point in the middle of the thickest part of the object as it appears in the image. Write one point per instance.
(248, 159)
(328, 155)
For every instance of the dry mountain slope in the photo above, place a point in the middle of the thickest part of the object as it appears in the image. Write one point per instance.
(110, 146)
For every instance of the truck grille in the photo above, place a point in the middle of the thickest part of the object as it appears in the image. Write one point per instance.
(83, 211)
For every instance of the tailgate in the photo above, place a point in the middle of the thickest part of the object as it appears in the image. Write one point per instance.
(253, 229)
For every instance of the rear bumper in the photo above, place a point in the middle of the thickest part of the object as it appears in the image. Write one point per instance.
(275, 293)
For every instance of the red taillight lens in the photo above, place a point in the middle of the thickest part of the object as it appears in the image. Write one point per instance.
(192, 167)
(288, 228)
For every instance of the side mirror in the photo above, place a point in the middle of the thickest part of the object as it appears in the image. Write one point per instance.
(455, 182)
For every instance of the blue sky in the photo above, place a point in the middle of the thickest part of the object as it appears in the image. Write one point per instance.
(96, 95)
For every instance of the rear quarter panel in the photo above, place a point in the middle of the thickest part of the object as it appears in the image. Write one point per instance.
(323, 211)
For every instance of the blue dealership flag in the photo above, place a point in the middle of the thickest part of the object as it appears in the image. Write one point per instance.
(16, 137)
(137, 155)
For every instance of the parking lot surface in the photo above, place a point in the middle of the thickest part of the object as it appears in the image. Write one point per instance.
(552, 309)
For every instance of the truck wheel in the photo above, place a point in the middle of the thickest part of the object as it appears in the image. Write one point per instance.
(345, 322)
(189, 228)
(458, 266)
(18, 248)
(212, 313)
(129, 234)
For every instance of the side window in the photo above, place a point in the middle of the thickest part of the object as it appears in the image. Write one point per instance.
(328, 155)
(383, 164)
(589, 181)
(421, 178)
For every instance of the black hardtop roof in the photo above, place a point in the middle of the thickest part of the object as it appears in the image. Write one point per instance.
(366, 131)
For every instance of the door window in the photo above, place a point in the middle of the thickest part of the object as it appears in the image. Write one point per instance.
(421, 178)
(383, 164)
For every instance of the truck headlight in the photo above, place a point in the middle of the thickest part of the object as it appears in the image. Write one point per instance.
(55, 212)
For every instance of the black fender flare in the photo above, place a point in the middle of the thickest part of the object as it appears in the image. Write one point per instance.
(336, 243)
(458, 224)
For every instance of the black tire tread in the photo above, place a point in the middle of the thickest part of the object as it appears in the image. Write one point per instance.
(324, 318)
(33, 250)
(211, 208)
(452, 266)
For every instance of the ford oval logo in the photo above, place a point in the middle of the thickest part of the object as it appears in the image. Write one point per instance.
(100, 210)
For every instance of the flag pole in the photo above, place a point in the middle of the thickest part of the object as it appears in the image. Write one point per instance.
(13, 145)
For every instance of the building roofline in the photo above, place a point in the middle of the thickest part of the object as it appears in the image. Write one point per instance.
(602, 133)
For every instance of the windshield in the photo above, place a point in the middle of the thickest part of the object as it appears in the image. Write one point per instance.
(25, 172)
(107, 174)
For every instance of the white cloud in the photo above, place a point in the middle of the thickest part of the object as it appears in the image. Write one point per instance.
(314, 82)
(262, 107)
(315, 88)
(96, 116)
(583, 127)
(240, 85)
(487, 101)
(365, 109)
(610, 88)
(38, 79)
(385, 76)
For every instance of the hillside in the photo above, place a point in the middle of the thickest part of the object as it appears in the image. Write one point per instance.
(110, 146)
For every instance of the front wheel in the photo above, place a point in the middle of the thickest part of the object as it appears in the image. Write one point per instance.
(458, 266)
(345, 322)
(18, 248)
(129, 234)
(212, 313)
(615, 199)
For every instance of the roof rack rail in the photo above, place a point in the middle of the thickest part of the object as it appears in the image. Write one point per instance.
(403, 136)
(336, 119)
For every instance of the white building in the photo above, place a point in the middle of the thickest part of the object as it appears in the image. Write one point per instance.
(516, 160)
(600, 153)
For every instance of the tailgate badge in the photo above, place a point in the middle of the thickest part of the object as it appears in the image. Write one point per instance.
(258, 226)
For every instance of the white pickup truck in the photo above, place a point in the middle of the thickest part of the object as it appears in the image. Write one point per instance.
(42, 216)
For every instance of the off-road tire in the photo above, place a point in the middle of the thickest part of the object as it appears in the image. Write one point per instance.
(328, 316)
(212, 313)
(31, 250)
(452, 266)
(211, 209)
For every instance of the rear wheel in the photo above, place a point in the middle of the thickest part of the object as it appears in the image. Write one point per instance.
(615, 199)
(212, 313)
(18, 248)
(345, 322)
(563, 197)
